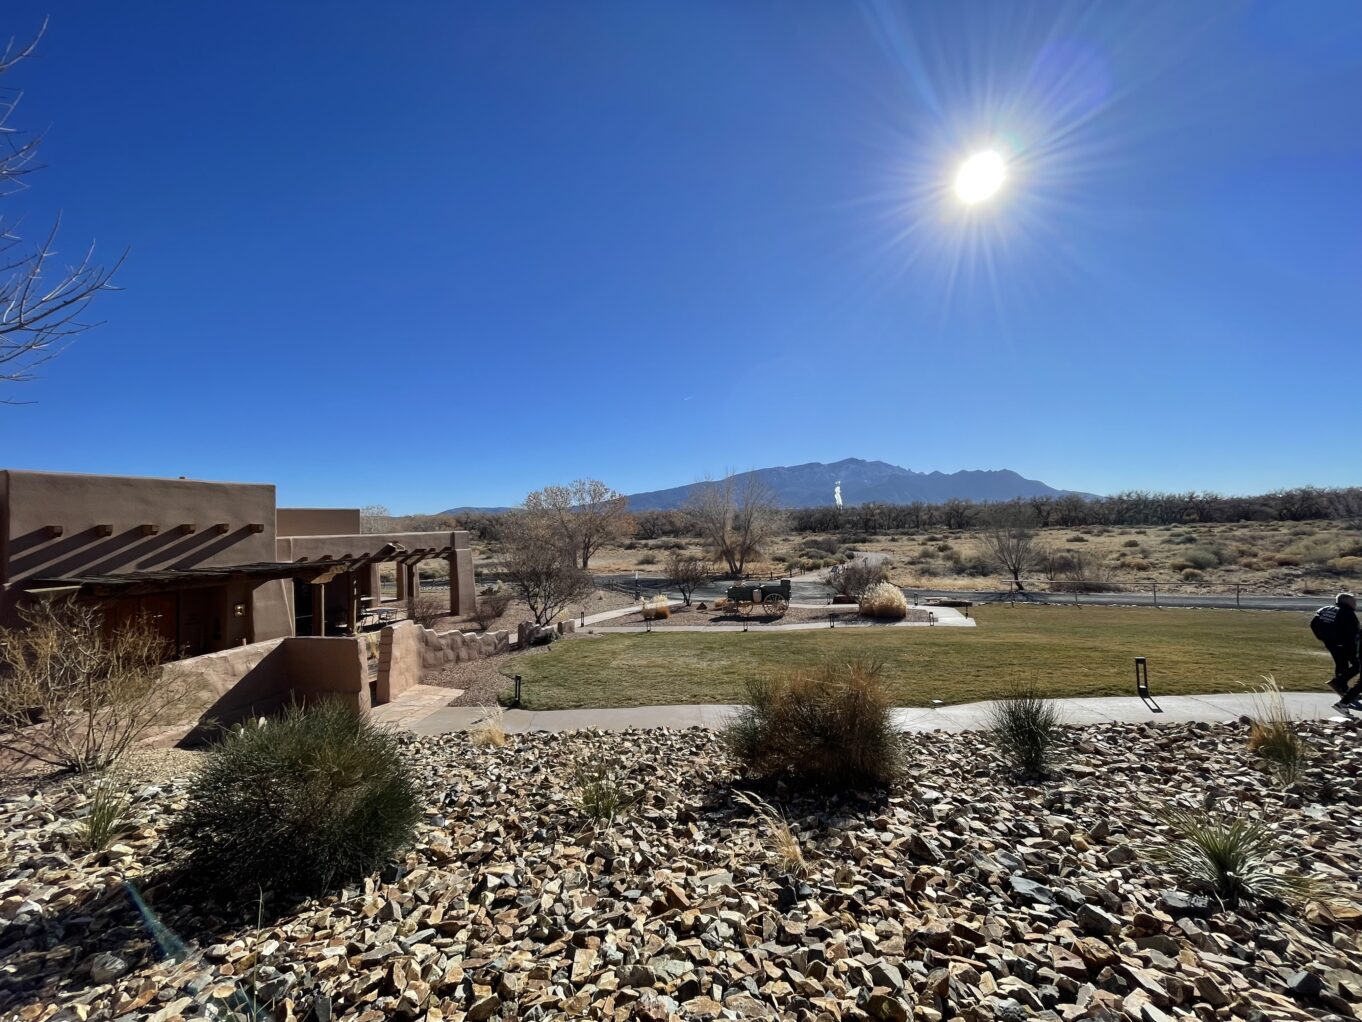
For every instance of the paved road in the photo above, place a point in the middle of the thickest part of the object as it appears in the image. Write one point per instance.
(809, 590)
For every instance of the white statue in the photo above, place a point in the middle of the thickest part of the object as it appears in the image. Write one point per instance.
(837, 494)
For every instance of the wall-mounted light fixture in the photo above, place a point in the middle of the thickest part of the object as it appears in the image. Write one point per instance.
(238, 610)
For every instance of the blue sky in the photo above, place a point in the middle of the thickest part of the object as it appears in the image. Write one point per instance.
(436, 254)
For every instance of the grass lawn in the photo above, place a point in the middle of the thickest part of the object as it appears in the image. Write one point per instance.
(1068, 651)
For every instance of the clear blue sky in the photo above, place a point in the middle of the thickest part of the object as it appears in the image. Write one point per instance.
(434, 254)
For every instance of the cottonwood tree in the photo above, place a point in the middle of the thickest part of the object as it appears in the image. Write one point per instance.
(733, 518)
(1009, 539)
(854, 577)
(42, 304)
(584, 515)
(538, 568)
(687, 573)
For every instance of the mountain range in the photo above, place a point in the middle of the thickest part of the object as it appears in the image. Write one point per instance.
(863, 482)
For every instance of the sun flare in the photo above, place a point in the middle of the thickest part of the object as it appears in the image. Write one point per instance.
(980, 177)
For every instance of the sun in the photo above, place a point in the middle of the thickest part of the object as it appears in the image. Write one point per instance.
(980, 177)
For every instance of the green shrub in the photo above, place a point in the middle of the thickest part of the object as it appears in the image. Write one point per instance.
(1200, 558)
(1076, 539)
(1226, 857)
(105, 817)
(1025, 728)
(831, 724)
(296, 804)
(884, 600)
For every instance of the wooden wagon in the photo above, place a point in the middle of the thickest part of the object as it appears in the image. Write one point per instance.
(771, 597)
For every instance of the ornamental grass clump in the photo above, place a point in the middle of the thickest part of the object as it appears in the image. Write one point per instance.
(884, 600)
(296, 804)
(1025, 729)
(830, 725)
(656, 608)
(1273, 737)
(105, 817)
(1229, 858)
(603, 791)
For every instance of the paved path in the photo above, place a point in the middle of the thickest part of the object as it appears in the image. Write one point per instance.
(960, 717)
(947, 617)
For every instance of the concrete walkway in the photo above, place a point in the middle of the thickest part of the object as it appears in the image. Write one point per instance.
(960, 717)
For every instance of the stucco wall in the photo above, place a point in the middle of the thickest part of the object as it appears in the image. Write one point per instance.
(261, 678)
(317, 521)
(408, 650)
(86, 506)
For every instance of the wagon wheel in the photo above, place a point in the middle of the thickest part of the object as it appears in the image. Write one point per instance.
(748, 606)
(776, 605)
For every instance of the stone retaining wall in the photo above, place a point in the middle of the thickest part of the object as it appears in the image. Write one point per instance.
(407, 651)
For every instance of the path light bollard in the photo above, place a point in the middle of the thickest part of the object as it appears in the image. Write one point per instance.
(831, 618)
(517, 690)
(583, 617)
(931, 619)
(1141, 677)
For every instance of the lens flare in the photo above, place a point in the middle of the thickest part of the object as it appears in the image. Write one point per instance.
(980, 177)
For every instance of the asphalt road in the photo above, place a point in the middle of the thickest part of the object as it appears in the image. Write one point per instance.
(810, 591)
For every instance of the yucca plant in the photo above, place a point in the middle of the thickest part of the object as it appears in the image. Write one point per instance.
(105, 817)
(603, 790)
(779, 836)
(1025, 728)
(1273, 737)
(1228, 857)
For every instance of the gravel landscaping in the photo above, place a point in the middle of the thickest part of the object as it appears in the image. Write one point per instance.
(958, 893)
(691, 616)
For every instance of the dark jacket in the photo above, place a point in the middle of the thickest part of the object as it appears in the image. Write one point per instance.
(1336, 625)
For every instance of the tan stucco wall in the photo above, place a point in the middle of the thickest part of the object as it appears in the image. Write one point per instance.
(81, 504)
(408, 650)
(317, 521)
(261, 678)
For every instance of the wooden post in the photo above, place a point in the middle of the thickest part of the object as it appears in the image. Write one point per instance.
(352, 608)
(401, 581)
(319, 608)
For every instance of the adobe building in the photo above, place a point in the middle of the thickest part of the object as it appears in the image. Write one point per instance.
(215, 565)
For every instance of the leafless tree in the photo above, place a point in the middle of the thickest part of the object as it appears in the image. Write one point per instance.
(427, 609)
(538, 568)
(77, 696)
(585, 515)
(42, 307)
(1008, 537)
(687, 573)
(856, 576)
(489, 607)
(733, 518)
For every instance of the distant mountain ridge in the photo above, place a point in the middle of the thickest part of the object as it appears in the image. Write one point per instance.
(865, 482)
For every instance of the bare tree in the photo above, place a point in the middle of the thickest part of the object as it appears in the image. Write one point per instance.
(538, 568)
(1009, 539)
(40, 311)
(77, 696)
(585, 515)
(734, 519)
(687, 573)
(854, 577)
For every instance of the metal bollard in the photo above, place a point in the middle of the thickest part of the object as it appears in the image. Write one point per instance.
(1141, 677)
(517, 690)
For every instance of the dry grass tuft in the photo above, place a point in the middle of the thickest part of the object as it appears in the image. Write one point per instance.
(105, 817)
(656, 608)
(778, 835)
(491, 730)
(884, 600)
(831, 724)
(1273, 736)
(603, 791)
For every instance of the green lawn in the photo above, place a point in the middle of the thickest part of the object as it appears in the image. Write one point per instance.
(1068, 651)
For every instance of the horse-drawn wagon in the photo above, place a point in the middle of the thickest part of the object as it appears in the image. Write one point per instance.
(772, 597)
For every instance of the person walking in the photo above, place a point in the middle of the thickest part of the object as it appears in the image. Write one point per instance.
(1337, 627)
